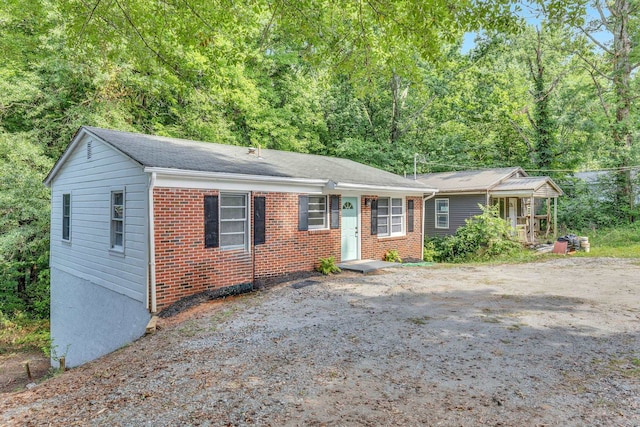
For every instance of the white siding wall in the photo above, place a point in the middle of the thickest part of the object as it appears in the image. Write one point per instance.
(88, 255)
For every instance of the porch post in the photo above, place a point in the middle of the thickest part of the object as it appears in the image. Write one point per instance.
(546, 233)
(532, 213)
(555, 218)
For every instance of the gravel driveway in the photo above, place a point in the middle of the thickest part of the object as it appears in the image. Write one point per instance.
(550, 343)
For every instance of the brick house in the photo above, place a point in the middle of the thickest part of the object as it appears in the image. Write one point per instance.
(139, 222)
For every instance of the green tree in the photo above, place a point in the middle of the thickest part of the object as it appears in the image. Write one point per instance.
(618, 19)
(24, 226)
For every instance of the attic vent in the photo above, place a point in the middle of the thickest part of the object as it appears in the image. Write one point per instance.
(89, 149)
(252, 150)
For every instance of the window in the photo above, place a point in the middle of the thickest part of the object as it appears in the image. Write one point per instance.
(317, 212)
(233, 221)
(442, 213)
(390, 216)
(117, 220)
(66, 217)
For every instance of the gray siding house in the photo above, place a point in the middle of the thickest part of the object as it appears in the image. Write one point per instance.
(528, 203)
(139, 222)
(97, 289)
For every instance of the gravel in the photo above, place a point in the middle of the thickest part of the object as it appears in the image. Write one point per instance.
(549, 343)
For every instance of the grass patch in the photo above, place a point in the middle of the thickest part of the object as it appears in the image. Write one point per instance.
(626, 368)
(21, 333)
(619, 242)
(419, 320)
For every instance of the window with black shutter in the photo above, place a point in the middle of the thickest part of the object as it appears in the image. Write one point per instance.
(335, 211)
(259, 223)
(303, 213)
(374, 216)
(410, 216)
(211, 234)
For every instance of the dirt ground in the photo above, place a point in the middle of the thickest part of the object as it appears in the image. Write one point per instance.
(13, 372)
(549, 343)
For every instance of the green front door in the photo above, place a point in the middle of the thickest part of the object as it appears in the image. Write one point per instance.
(350, 237)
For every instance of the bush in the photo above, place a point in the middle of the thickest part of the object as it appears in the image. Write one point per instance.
(588, 205)
(482, 237)
(392, 255)
(328, 266)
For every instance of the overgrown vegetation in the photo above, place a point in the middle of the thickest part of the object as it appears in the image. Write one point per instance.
(22, 333)
(483, 237)
(622, 241)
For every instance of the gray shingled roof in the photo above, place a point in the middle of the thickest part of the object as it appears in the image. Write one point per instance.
(468, 181)
(173, 153)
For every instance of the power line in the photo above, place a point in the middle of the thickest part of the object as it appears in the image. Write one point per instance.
(469, 167)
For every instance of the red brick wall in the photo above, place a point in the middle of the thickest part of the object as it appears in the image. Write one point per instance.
(408, 246)
(183, 265)
(286, 249)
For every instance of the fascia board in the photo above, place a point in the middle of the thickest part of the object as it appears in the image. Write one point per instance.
(380, 188)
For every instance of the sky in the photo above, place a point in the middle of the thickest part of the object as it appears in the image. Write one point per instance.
(532, 17)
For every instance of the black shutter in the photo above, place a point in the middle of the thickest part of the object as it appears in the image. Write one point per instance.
(259, 230)
(335, 211)
(303, 213)
(374, 216)
(410, 216)
(211, 237)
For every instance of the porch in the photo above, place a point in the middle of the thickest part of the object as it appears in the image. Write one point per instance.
(530, 205)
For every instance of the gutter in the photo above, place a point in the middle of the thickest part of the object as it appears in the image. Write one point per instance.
(152, 248)
(367, 187)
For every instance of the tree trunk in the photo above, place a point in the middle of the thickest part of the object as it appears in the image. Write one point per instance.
(622, 134)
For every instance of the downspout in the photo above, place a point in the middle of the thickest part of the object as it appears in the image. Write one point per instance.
(424, 209)
(152, 246)
(252, 245)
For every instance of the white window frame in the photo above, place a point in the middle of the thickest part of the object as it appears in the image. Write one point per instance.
(227, 221)
(315, 204)
(392, 219)
(114, 220)
(441, 214)
(66, 215)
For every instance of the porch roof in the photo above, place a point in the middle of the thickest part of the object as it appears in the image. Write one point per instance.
(470, 181)
(512, 181)
(538, 186)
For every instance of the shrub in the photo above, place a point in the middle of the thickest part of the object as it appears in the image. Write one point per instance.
(482, 237)
(392, 256)
(328, 266)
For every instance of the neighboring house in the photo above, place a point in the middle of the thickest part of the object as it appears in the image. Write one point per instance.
(602, 184)
(139, 222)
(460, 193)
